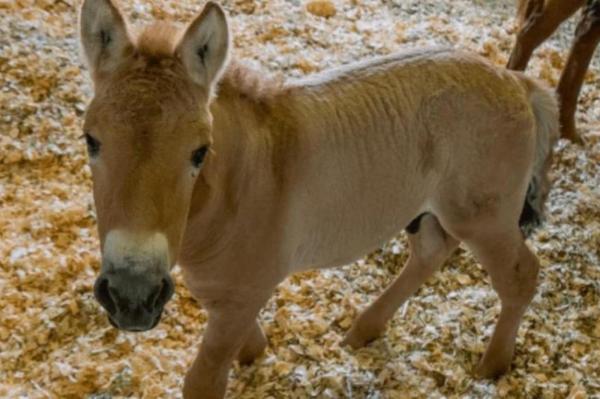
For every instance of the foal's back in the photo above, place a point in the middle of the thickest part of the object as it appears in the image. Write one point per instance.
(394, 136)
(426, 109)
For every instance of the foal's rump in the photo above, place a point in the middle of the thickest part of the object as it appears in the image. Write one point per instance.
(497, 130)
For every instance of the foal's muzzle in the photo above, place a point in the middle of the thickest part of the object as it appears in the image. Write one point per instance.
(134, 300)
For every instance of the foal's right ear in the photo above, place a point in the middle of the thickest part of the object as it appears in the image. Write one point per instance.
(104, 36)
(204, 47)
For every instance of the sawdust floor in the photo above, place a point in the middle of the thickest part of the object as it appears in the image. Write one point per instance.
(55, 340)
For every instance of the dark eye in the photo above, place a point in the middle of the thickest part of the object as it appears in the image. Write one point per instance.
(198, 156)
(93, 145)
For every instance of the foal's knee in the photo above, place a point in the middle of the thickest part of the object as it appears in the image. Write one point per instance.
(528, 269)
(521, 288)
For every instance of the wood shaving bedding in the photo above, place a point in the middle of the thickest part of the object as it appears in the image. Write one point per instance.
(55, 340)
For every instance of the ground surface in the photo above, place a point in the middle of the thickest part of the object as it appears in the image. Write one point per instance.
(55, 340)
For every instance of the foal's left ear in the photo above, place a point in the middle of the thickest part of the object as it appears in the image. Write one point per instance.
(204, 47)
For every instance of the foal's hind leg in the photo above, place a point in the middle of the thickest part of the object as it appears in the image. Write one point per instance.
(513, 269)
(429, 248)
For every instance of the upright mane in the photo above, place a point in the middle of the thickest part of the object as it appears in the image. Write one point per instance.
(158, 40)
(243, 80)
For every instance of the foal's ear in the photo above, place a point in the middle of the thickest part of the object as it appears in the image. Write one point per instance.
(204, 47)
(104, 36)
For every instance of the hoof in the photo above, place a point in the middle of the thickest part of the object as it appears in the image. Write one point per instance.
(249, 354)
(569, 131)
(573, 137)
(247, 359)
(356, 339)
(491, 370)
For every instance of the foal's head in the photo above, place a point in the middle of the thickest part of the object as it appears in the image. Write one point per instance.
(148, 130)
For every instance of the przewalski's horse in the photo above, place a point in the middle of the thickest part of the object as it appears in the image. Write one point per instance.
(538, 19)
(243, 181)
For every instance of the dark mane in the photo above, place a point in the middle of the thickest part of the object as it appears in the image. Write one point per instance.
(158, 40)
(243, 80)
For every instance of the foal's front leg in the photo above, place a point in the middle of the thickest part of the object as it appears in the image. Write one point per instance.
(230, 326)
(254, 346)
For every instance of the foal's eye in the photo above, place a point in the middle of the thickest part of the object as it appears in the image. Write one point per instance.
(93, 145)
(198, 156)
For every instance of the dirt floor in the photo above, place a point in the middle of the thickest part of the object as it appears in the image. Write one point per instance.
(55, 340)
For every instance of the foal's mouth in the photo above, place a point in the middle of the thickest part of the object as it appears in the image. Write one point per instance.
(135, 329)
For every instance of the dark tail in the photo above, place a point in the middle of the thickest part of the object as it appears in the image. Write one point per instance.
(545, 109)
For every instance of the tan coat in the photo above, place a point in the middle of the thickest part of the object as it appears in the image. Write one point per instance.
(313, 173)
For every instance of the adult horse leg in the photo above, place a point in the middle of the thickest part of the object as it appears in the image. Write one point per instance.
(587, 37)
(540, 20)
(429, 247)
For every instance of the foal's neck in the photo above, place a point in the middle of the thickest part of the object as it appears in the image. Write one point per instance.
(243, 181)
(254, 126)
(267, 136)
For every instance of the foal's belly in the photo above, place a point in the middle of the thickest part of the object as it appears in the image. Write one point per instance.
(354, 217)
(323, 251)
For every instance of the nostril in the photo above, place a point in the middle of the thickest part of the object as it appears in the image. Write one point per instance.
(116, 299)
(160, 296)
(150, 303)
(165, 292)
(102, 293)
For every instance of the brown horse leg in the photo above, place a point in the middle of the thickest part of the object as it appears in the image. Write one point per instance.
(254, 346)
(587, 37)
(513, 269)
(540, 20)
(429, 248)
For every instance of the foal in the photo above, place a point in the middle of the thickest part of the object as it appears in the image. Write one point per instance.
(243, 181)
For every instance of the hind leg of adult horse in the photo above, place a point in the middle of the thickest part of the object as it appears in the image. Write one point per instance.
(541, 18)
(587, 37)
(513, 269)
(429, 247)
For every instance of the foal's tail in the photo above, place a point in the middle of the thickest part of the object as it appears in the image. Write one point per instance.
(545, 109)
